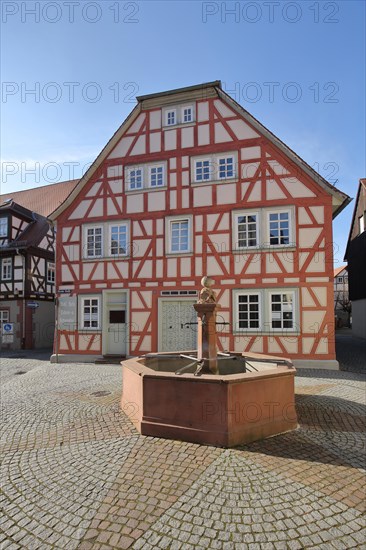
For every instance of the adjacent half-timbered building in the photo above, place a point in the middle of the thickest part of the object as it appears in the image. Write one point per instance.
(27, 267)
(192, 184)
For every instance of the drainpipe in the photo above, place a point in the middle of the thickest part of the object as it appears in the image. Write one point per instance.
(53, 225)
(22, 343)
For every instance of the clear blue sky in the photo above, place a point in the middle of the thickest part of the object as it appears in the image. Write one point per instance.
(299, 67)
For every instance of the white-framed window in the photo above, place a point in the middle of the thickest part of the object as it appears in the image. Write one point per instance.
(203, 170)
(118, 239)
(146, 176)
(51, 272)
(226, 167)
(4, 316)
(6, 269)
(246, 229)
(279, 228)
(135, 178)
(214, 168)
(3, 227)
(178, 234)
(267, 228)
(282, 315)
(171, 117)
(156, 178)
(339, 279)
(90, 312)
(178, 114)
(247, 307)
(265, 310)
(94, 241)
(187, 114)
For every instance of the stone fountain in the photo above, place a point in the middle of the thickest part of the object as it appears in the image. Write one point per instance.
(203, 396)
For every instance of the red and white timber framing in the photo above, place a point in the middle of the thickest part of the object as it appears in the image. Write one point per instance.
(268, 177)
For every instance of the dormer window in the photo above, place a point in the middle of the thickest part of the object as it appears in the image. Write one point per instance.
(3, 227)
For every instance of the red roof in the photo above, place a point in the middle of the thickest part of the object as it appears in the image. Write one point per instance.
(42, 200)
(338, 270)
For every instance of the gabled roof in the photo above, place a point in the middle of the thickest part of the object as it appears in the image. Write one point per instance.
(362, 186)
(201, 91)
(339, 270)
(42, 200)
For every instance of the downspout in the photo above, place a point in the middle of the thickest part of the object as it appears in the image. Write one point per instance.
(53, 225)
(22, 343)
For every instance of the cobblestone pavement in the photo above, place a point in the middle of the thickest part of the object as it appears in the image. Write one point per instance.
(76, 474)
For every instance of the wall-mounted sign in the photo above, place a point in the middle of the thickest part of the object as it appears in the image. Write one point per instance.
(67, 307)
(64, 290)
(7, 338)
(32, 305)
(8, 328)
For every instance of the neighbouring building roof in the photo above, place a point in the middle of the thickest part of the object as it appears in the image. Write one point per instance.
(339, 270)
(37, 227)
(41, 200)
(209, 89)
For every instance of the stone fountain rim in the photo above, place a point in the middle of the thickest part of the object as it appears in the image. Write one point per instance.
(136, 366)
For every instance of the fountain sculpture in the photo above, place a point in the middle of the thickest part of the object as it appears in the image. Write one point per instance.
(206, 396)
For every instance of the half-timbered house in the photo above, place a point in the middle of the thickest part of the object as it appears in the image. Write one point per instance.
(27, 266)
(192, 184)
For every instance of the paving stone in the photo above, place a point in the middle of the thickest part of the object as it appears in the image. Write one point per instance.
(77, 475)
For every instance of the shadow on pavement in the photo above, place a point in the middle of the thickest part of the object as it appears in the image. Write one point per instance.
(38, 355)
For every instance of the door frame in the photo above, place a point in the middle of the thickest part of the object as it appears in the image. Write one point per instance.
(161, 300)
(105, 323)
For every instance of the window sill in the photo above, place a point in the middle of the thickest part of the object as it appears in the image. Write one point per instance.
(179, 125)
(259, 332)
(251, 250)
(214, 182)
(145, 190)
(180, 254)
(105, 258)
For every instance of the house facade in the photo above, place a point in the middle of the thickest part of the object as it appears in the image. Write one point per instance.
(356, 261)
(342, 304)
(191, 184)
(27, 267)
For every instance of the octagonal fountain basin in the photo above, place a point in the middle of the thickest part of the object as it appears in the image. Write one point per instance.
(251, 398)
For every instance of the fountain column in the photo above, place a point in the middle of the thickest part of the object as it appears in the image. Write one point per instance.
(207, 343)
(207, 308)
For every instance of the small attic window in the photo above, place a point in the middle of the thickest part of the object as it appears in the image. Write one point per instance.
(3, 227)
(361, 223)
